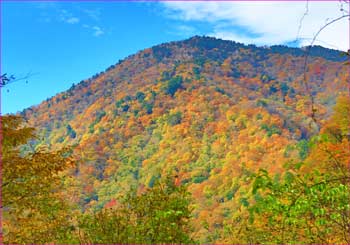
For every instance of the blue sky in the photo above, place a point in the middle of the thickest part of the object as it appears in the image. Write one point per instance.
(62, 43)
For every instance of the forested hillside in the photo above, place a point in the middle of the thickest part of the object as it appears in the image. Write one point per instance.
(258, 139)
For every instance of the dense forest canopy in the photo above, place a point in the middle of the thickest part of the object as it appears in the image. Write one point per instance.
(202, 140)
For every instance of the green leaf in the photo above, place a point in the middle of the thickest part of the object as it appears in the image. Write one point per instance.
(244, 202)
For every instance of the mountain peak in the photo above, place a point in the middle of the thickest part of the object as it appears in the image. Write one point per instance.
(208, 109)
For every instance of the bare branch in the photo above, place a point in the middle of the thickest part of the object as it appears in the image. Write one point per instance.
(313, 110)
(8, 79)
(327, 24)
(341, 5)
(320, 41)
(302, 19)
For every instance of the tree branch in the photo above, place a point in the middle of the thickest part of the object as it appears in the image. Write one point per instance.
(313, 110)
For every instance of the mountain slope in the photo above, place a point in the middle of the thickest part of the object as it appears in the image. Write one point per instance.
(208, 111)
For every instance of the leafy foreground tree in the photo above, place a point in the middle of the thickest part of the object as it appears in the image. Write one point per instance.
(35, 209)
(160, 215)
(33, 206)
(310, 202)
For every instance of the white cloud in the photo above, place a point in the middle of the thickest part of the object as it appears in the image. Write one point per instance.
(266, 22)
(71, 14)
(93, 14)
(72, 20)
(45, 5)
(67, 17)
(98, 31)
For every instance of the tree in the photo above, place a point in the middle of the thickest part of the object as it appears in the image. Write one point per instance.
(159, 215)
(309, 202)
(33, 206)
(173, 85)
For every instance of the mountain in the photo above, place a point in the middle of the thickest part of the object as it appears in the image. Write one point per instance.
(208, 111)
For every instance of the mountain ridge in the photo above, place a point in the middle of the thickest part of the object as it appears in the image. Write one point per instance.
(210, 111)
(322, 52)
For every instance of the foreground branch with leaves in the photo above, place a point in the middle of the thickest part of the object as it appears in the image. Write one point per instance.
(33, 206)
(35, 209)
(310, 201)
(160, 215)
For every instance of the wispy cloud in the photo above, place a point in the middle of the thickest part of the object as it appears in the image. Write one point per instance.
(97, 31)
(72, 20)
(68, 17)
(45, 4)
(265, 22)
(94, 14)
(90, 19)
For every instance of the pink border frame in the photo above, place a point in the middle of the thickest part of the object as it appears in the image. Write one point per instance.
(1, 136)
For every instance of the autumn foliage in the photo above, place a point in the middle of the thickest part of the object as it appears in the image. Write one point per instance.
(232, 124)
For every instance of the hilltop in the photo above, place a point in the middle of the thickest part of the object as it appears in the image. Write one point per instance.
(208, 111)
